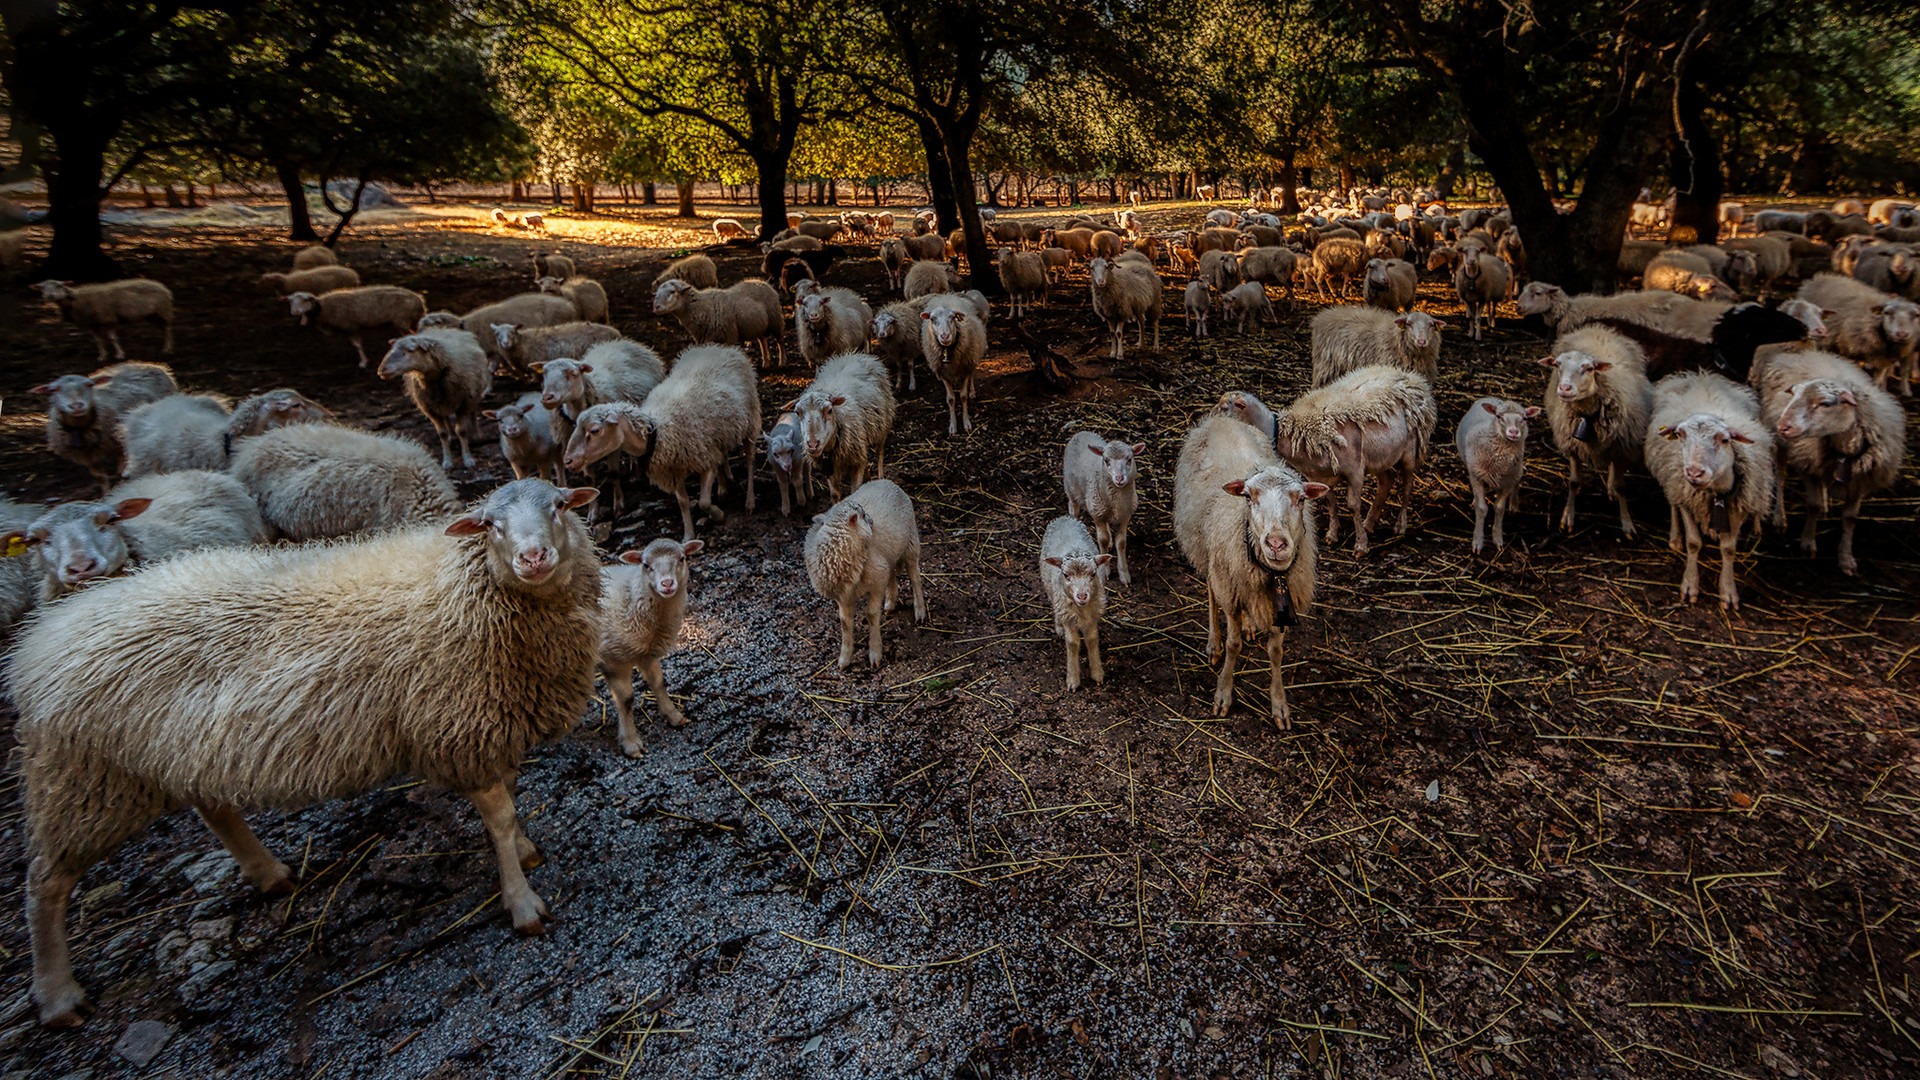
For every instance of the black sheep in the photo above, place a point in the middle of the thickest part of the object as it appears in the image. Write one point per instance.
(1736, 335)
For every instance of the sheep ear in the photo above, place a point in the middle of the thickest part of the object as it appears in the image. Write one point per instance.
(1235, 487)
(1102, 560)
(584, 368)
(580, 496)
(1489, 406)
(1098, 450)
(1846, 398)
(1549, 361)
(1314, 491)
(632, 557)
(42, 389)
(839, 401)
(1139, 448)
(926, 314)
(1533, 412)
(1827, 312)
(1738, 437)
(692, 548)
(1670, 432)
(819, 517)
(128, 508)
(539, 368)
(470, 525)
(1600, 365)
(1051, 561)
(491, 414)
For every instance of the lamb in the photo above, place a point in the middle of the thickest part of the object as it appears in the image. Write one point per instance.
(84, 413)
(1707, 448)
(210, 681)
(320, 481)
(1024, 275)
(819, 230)
(1481, 282)
(102, 309)
(1389, 284)
(1843, 436)
(551, 264)
(1198, 303)
(896, 333)
(954, 342)
(893, 258)
(1073, 574)
(856, 549)
(1878, 331)
(1376, 419)
(829, 322)
(1126, 292)
(274, 409)
(847, 409)
(174, 433)
(705, 409)
(727, 229)
(926, 278)
(320, 279)
(1492, 440)
(447, 375)
(1098, 475)
(588, 297)
(1772, 260)
(1248, 301)
(1780, 221)
(527, 347)
(696, 270)
(643, 599)
(1337, 260)
(1597, 406)
(313, 256)
(747, 311)
(787, 460)
(140, 522)
(1345, 339)
(526, 438)
(354, 312)
(1887, 211)
(1245, 522)
(1248, 409)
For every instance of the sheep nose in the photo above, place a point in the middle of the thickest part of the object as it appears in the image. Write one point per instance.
(1080, 597)
(668, 586)
(534, 562)
(81, 569)
(549, 400)
(1787, 431)
(1697, 475)
(575, 462)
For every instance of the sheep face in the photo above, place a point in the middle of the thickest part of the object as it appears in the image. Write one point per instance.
(1118, 457)
(504, 335)
(1278, 518)
(671, 296)
(1818, 408)
(513, 421)
(1099, 271)
(286, 407)
(1244, 407)
(784, 446)
(815, 315)
(1707, 287)
(55, 292)
(407, 354)
(71, 397)
(1899, 322)
(819, 423)
(525, 528)
(1577, 376)
(1511, 419)
(81, 542)
(886, 326)
(596, 436)
(1084, 578)
(1708, 456)
(663, 565)
(1417, 327)
(945, 323)
(1810, 314)
(563, 382)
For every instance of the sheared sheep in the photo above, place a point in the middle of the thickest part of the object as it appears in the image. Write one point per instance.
(856, 549)
(1248, 409)
(524, 310)
(1199, 301)
(102, 309)
(527, 347)
(313, 256)
(1377, 419)
(1707, 448)
(829, 322)
(354, 312)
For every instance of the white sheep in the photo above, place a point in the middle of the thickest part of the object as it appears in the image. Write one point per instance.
(317, 280)
(695, 270)
(828, 322)
(856, 550)
(526, 438)
(643, 600)
(1687, 273)
(618, 370)
(1668, 312)
(1345, 339)
(1389, 284)
(896, 337)
(926, 277)
(1597, 404)
(1220, 270)
(1376, 419)
(787, 460)
(743, 312)
(1248, 302)
(1024, 275)
(588, 297)
(354, 312)
(1245, 522)
(1248, 409)
(216, 680)
(1073, 574)
(314, 256)
(102, 309)
(1492, 440)
(1098, 477)
(1481, 281)
(705, 409)
(846, 411)
(727, 229)
(954, 342)
(274, 409)
(1879, 331)
(176, 432)
(527, 347)
(1126, 292)
(319, 481)
(84, 413)
(524, 310)
(447, 375)
(1707, 448)
(1199, 301)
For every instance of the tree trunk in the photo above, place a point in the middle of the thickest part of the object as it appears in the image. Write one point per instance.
(193, 199)
(1306, 176)
(648, 196)
(1289, 185)
(1695, 169)
(773, 194)
(297, 213)
(1812, 170)
(980, 269)
(683, 191)
(353, 207)
(939, 179)
(146, 196)
(73, 209)
(173, 197)
(1456, 164)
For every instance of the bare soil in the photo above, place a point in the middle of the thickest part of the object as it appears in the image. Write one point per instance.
(1535, 817)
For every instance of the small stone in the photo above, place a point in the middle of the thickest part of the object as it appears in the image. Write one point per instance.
(197, 984)
(143, 1041)
(169, 949)
(211, 872)
(212, 929)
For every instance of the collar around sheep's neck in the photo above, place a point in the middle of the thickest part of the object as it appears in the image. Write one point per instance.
(653, 441)
(1283, 615)
(1844, 462)
(1719, 514)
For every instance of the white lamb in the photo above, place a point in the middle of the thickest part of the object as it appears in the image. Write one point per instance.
(1073, 573)
(1098, 476)
(1492, 440)
(856, 549)
(643, 600)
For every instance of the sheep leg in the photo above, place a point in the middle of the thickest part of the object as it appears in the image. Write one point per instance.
(1500, 519)
(919, 595)
(657, 679)
(620, 688)
(686, 514)
(953, 424)
(785, 485)
(846, 634)
(892, 599)
(469, 431)
(1816, 494)
(54, 988)
(880, 455)
(1480, 515)
(875, 618)
(1406, 497)
(528, 911)
(1277, 691)
(714, 513)
(1223, 687)
(1213, 628)
(1780, 495)
(1156, 333)
(1729, 540)
(1333, 524)
(1356, 494)
(1070, 630)
(1120, 552)
(166, 337)
(1619, 496)
(1674, 543)
(1091, 636)
(1573, 490)
(1849, 514)
(1690, 577)
(361, 349)
(445, 431)
(268, 874)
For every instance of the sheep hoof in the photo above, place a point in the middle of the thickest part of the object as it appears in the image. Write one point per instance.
(531, 917)
(284, 885)
(714, 514)
(532, 858)
(1849, 567)
(65, 1008)
(873, 659)
(1073, 684)
(677, 720)
(632, 749)
(1222, 702)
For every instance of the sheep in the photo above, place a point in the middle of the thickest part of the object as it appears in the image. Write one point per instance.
(1126, 292)
(1843, 436)
(527, 347)
(174, 433)
(1878, 331)
(1244, 520)
(526, 438)
(1389, 284)
(1206, 240)
(1890, 268)
(1387, 245)
(1597, 405)
(1779, 220)
(787, 460)
(953, 342)
(1513, 252)
(1337, 260)
(142, 521)
(1772, 260)
(1707, 448)
(212, 680)
(1198, 303)
(1103, 489)
(1661, 310)
(588, 297)
(896, 333)
(1073, 574)
(925, 278)
(320, 481)
(446, 374)
(1372, 420)
(725, 229)
(792, 265)
(1345, 339)
(526, 310)
(1686, 273)
(551, 264)
(84, 413)
(274, 409)
(820, 230)
(1203, 192)
(1481, 282)
(1849, 206)
(705, 409)
(1731, 346)
(643, 599)
(611, 371)
(355, 311)
(929, 247)
(829, 322)
(1219, 270)
(1811, 315)
(102, 309)
(1248, 301)
(1024, 275)
(19, 589)
(315, 256)
(1269, 266)
(1492, 440)
(747, 311)
(856, 549)
(893, 258)
(847, 409)
(695, 270)
(1248, 409)
(1732, 215)
(320, 279)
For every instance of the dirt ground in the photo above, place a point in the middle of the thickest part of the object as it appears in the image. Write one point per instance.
(1535, 817)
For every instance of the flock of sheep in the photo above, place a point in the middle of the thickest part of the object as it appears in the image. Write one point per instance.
(232, 672)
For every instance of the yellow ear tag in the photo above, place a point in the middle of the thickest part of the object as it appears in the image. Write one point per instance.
(16, 545)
